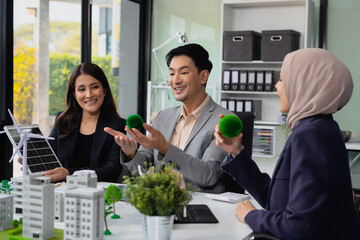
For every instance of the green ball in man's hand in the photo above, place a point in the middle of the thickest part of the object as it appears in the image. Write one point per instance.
(230, 126)
(134, 121)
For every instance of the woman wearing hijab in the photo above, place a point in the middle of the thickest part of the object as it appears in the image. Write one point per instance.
(310, 194)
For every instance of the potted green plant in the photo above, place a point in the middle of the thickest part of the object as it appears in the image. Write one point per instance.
(158, 196)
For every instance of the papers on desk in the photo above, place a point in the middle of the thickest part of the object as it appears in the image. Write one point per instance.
(230, 197)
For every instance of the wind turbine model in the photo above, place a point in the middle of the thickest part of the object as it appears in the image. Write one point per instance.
(24, 136)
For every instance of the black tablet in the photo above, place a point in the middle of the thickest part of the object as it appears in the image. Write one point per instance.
(196, 213)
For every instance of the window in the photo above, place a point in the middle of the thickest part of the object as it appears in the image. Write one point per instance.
(36, 235)
(43, 33)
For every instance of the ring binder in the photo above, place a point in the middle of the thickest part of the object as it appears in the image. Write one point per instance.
(235, 80)
(243, 80)
(259, 80)
(226, 80)
(251, 81)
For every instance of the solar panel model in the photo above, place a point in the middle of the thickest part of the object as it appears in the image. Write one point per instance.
(40, 155)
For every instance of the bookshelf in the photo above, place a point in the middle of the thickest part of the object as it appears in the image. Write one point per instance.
(259, 15)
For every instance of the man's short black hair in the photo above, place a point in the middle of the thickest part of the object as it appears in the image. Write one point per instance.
(194, 51)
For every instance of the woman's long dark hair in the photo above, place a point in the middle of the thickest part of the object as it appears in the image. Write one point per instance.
(66, 121)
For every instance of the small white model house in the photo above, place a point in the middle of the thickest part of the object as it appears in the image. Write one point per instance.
(17, 192)
(6, 211)
(82, 178)
(38, 207)
(84, 213)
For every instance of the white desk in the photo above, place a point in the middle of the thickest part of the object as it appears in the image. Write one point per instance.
(129, 226)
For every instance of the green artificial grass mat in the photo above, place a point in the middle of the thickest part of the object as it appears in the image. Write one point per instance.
(59, 235)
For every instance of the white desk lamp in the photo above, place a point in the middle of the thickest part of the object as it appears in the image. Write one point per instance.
(181, 39)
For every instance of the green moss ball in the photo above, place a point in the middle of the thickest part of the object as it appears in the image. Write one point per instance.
(134, 121)
(230, 126)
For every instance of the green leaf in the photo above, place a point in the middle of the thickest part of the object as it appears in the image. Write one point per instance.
(157, 194)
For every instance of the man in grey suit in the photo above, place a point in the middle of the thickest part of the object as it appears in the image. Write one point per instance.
(183, 135)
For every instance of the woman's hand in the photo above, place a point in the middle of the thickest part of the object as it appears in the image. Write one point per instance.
(230, 145)
(19, 160)
(57, 174)
(242, 209)
(128, 146)
(21, 163)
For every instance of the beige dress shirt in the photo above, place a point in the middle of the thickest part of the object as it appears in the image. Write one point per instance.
(185, 124)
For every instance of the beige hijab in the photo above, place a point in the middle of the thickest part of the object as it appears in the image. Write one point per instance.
(315, 82)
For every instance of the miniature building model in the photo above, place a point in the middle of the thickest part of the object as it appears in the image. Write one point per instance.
(6, 211)
(59, 206)
(82, 178)
(38, 207)
(17, 192)
(84, 213)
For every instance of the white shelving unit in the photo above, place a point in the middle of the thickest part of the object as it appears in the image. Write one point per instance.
(268, 141)
(259, 15)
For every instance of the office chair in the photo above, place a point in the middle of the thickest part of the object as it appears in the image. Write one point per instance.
(247, 119)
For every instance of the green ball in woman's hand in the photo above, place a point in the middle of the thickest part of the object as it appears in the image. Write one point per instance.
(134, 121)
(230, 126)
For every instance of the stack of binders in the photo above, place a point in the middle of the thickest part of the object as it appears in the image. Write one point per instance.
(249, 80)
(243, 105)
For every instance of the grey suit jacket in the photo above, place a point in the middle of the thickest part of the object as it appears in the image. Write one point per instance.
(200, 161)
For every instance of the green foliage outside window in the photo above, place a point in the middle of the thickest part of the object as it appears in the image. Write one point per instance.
(24, 79)
(64, 46)
(61, 66)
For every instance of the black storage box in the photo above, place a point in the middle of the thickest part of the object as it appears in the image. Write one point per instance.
(277, 43)
(241, 45)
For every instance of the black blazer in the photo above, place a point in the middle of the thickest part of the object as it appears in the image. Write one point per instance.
(309, 195)
(105, 153)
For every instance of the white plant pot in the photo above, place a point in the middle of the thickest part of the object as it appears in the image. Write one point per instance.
(157, 227)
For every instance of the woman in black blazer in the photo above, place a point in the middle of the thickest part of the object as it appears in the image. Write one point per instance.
(309, 195)
(80, 141)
